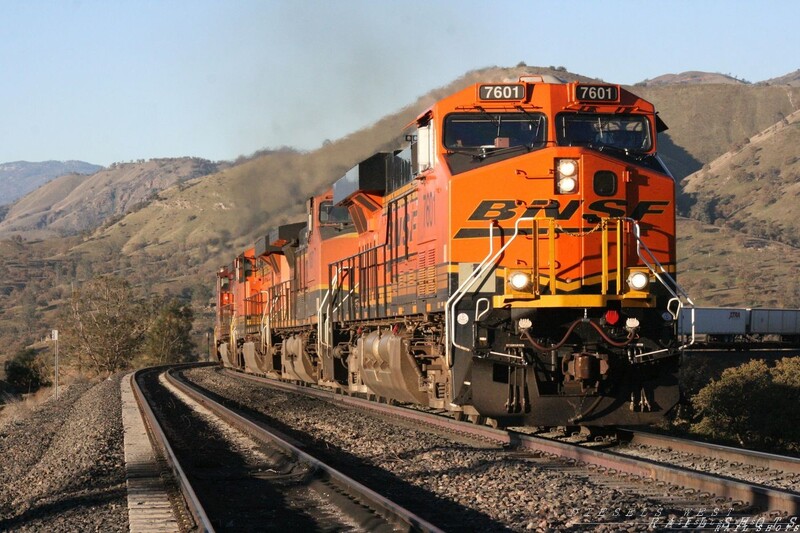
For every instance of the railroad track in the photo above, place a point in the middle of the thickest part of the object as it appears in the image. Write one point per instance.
(771, 470)
(237, 474)
(746, 497)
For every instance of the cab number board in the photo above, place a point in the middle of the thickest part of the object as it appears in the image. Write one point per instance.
(597, 93)
(505, 91)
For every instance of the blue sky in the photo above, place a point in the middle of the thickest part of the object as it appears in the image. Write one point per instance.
(116, 80)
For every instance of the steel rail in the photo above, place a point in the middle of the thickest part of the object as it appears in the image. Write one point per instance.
(766, 498)
(757, 459)
(190, 498)
(374, 500)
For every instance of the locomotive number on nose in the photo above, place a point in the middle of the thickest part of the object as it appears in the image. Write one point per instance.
(505, 91)
(597, 93)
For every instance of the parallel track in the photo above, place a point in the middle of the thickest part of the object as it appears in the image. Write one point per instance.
(772, 471)
(294, 473)
(768, 461)
(758, 496)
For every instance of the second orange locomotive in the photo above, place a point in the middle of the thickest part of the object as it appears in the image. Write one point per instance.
(515, 263)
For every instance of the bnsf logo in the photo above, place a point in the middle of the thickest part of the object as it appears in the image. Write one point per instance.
(508, 209)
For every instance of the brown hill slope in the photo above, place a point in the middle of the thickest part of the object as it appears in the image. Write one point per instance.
(705, 121)
(74, 203)
(754, 188)
(18, 178)
(723, 267)
(692, 77)
(793, 78)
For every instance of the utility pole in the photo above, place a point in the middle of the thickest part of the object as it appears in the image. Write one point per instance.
(54, 337)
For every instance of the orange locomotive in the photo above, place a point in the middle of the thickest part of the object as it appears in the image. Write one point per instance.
(515, 264)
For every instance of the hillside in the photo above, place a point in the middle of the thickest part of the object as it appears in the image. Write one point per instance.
(691, 78)
(793, 78)
(720, 266)
(18, 178)
(754, 188)
(705, 121)
(75, 203)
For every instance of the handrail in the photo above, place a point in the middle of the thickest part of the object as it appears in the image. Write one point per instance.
(679, 292)
(365, 267)
(488, 262)
(266, 321)
(678, 295)
(322, 333)
(451, 301)
(347, 296)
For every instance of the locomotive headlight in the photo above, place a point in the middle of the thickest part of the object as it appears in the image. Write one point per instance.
(519, 281)
(567, 185)
(567, 176)
(567, 167)
(638, 280)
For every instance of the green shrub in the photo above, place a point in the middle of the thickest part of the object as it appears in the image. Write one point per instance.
(26, 372)
(787, 372)
(696, 372)
(754, 404)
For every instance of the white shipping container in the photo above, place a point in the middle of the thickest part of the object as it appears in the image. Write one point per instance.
(775, 321)
(713, 320)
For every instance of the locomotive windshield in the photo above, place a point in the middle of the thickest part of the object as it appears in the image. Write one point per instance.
(494, 130)
(624, 132)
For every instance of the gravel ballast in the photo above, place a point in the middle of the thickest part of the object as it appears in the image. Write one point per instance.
(62, 464)
(452, 484)
(62, 467)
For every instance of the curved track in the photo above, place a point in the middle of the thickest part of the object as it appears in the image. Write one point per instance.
(242, 476)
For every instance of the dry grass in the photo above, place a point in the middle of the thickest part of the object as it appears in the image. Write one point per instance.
(74, 203)
(754, 188)
(17, 408)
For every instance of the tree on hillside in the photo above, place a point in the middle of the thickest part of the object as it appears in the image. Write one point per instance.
(105, 325)
(168, 338)
(26, 372)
